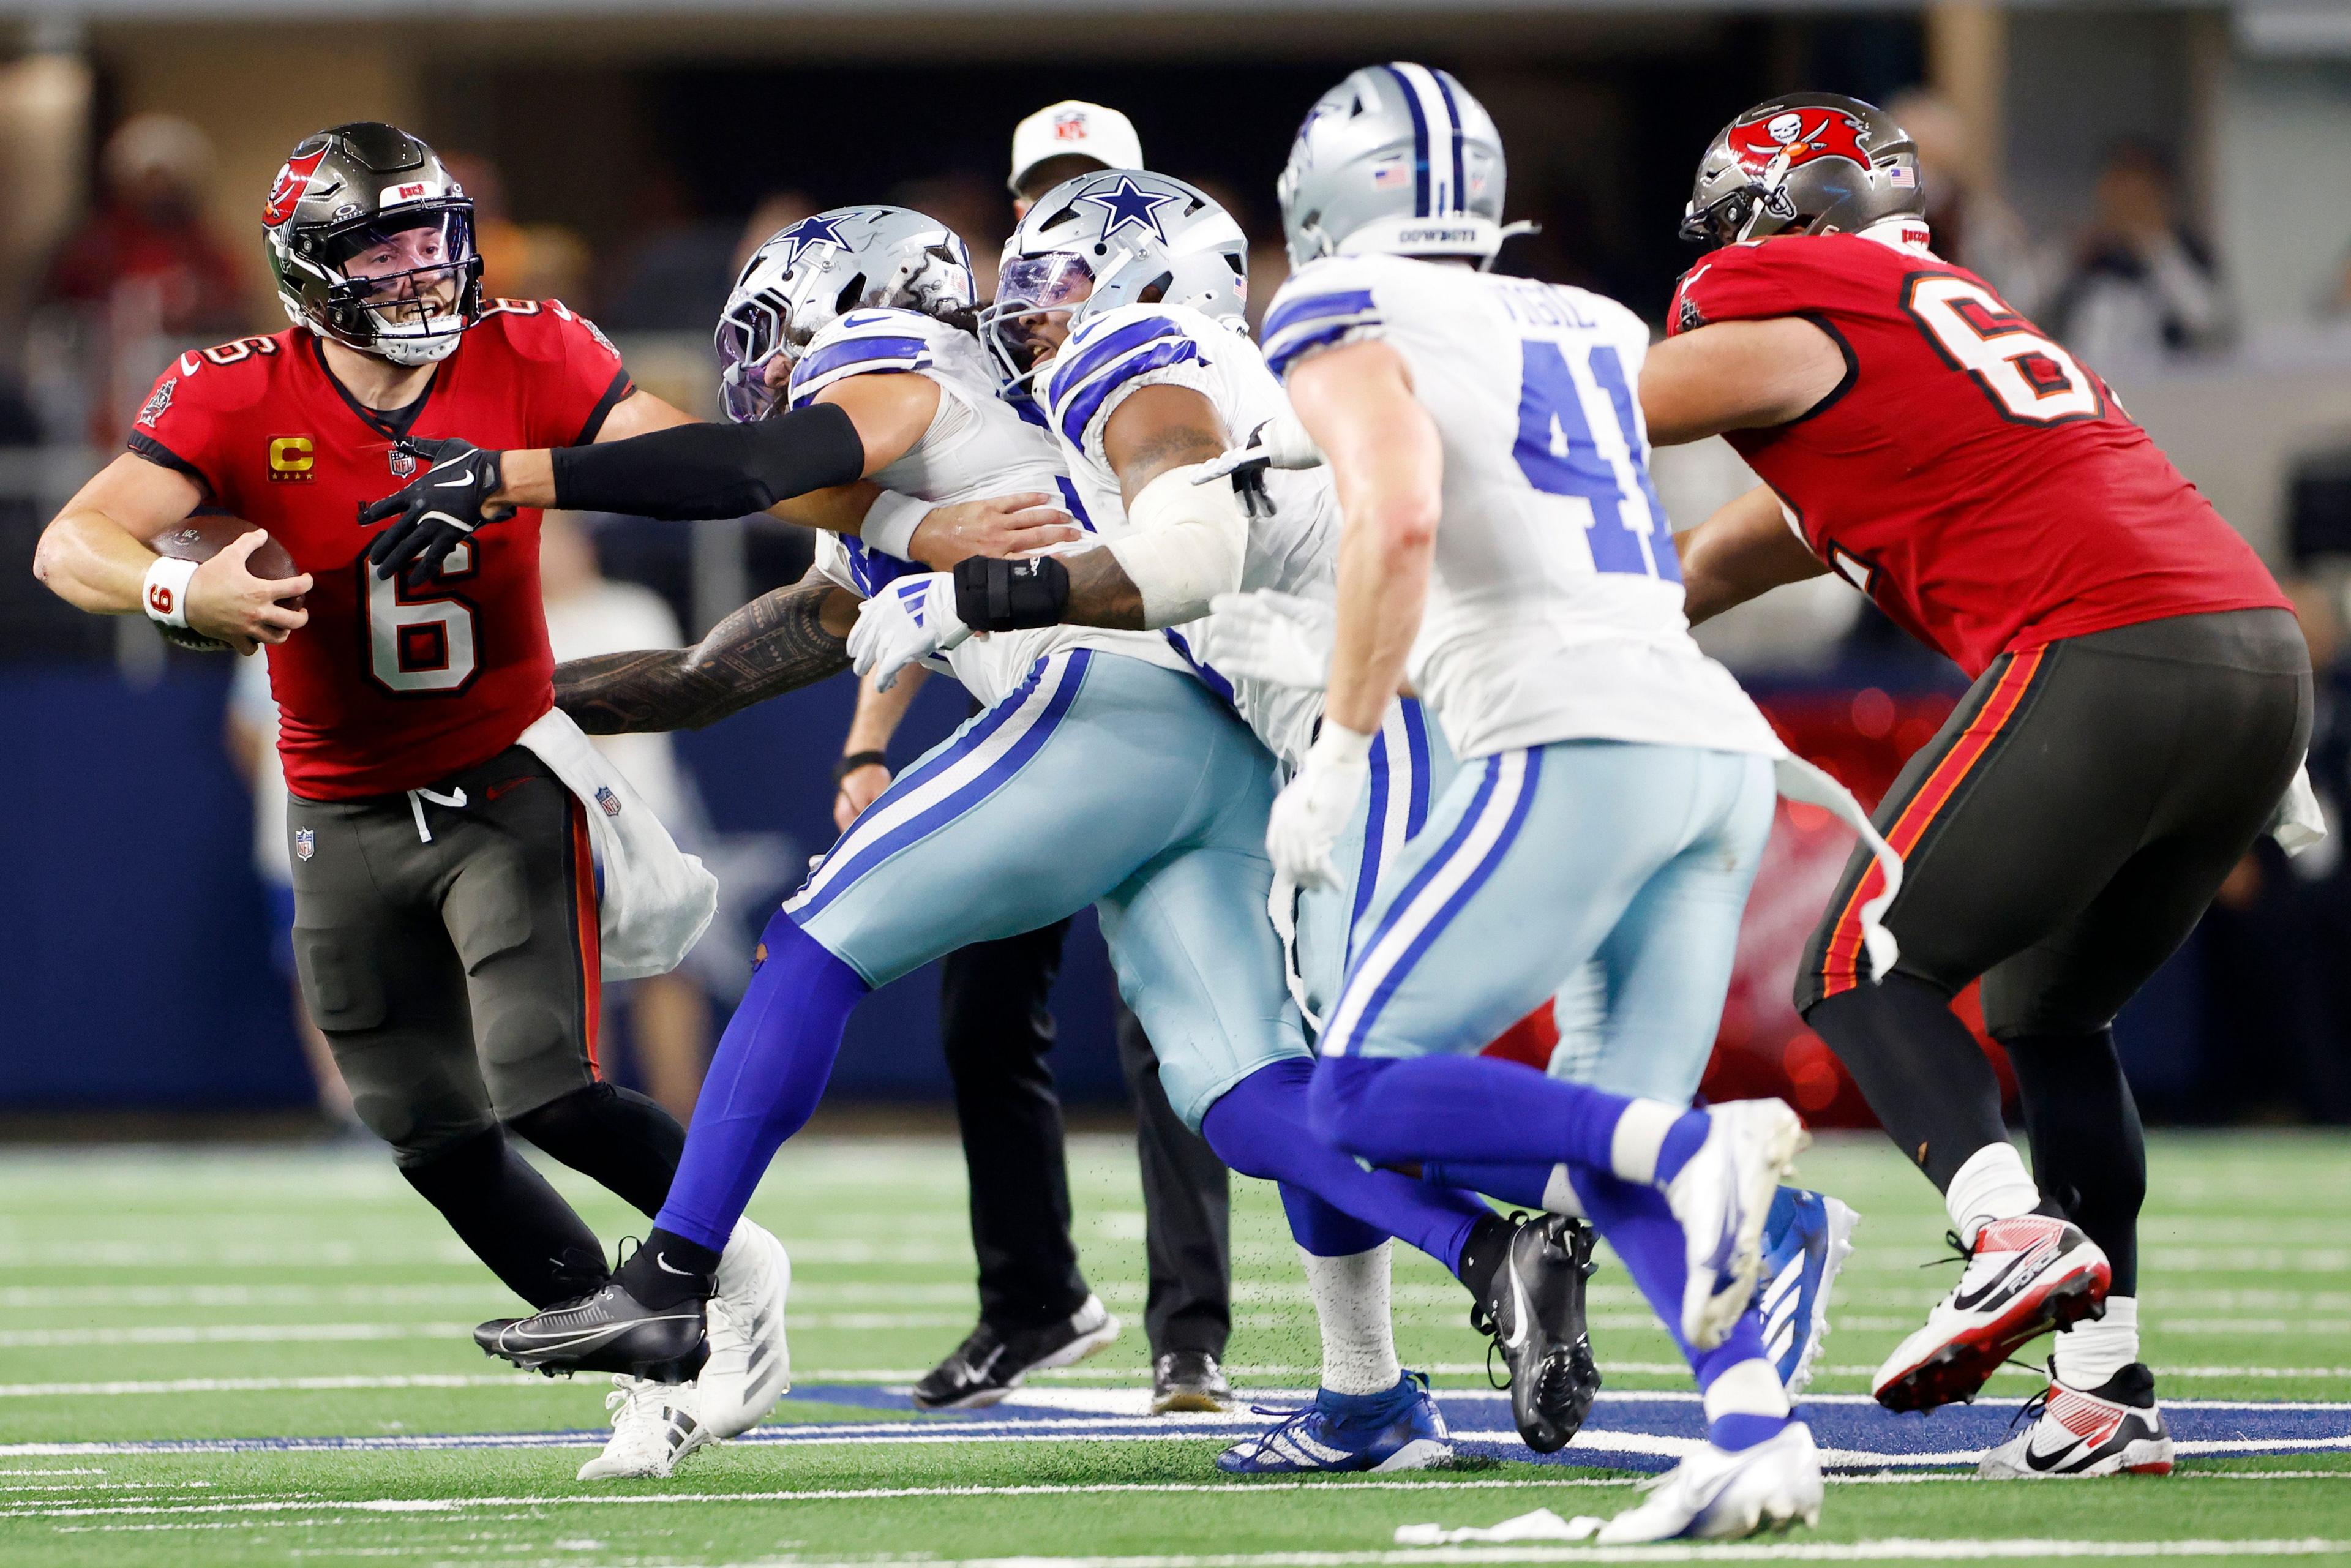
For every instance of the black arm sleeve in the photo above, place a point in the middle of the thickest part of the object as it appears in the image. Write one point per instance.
(694, 471)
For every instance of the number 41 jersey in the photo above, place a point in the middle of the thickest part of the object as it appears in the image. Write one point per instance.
(1970, 475)
(388, 687)
(1555, 601)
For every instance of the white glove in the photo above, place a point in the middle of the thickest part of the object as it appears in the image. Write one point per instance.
(1275, 637)
(1277, 442)
(911, 620)
(1313, 810)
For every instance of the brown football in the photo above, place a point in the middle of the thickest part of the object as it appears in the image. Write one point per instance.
(204, 536)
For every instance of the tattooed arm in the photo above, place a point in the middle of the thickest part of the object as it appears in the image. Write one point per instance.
(776, 644)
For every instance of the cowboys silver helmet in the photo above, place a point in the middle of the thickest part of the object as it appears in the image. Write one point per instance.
(1398, 160)
(370, 243)
(819, 269)
(1113, 237)
(1809, 162)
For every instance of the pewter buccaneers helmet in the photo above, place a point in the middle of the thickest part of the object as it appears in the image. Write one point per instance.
(812, 273)
(1810, 162)
(353, 188)
(1125, 237)
(1398, 159)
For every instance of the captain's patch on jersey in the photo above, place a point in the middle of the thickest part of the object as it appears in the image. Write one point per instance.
(292, 459)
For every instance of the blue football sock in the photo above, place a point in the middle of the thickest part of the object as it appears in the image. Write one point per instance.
(1681, 1140)
(1451, 1109)
(1520, 1184)
(1259, 1128)
(1634, 1221)
(764, 1082)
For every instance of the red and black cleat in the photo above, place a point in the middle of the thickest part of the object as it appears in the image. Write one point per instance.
(2114, 1430)
(2025, 1278)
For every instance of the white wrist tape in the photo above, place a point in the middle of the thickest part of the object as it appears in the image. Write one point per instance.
(890, 523)
(1188, 546)
(164, 593)
(1335, 743)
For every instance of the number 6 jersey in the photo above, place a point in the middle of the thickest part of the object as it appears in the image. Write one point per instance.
(1970, 475)
(1555, 601)
(389, 687)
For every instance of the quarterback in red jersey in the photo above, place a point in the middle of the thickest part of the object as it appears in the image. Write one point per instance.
(446, 911)
(2141, 704)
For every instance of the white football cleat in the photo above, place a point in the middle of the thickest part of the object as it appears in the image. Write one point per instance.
(655, 1426)
(2024, 1277)
(2114, 1430)
(750, 1365)
(1721, 1199)
(1715, 1495)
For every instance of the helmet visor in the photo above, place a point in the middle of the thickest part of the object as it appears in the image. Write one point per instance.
(750, 335)
(1030, 290)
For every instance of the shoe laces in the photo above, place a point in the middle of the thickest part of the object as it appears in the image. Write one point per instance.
(2033, 1408)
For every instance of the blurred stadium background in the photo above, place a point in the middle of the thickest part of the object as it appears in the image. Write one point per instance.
(2163, 185)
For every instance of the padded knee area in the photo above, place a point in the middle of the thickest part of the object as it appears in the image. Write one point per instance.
(419, 1131)
(1254, 1125)
(1335, 1101)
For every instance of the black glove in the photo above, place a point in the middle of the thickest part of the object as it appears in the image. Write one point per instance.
(438, 511)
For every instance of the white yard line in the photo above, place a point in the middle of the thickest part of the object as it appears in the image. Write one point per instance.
(278, 1385)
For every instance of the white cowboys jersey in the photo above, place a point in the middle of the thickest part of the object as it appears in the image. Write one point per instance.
(1555, 604)
(979, 446)
(1295, 550)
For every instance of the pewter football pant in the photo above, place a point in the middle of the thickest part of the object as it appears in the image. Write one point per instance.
(1106, 780)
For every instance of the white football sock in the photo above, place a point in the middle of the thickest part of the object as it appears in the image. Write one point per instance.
(1640, 1134)
(1351, 1299)
(2094, 1350)
(1560, 1195)
(1991, 1186)
(1752, 1388)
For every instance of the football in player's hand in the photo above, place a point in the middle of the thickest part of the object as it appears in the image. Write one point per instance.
(204, 536)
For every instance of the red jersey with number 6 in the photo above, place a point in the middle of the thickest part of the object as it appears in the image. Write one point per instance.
(388, 687)
(1977, 481)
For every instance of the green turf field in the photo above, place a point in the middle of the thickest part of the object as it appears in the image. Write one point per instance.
(149, 1295)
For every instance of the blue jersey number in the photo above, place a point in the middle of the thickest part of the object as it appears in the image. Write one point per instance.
(1558, 455)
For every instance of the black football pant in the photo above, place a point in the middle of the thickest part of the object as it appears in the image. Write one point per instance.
(2060, 836)
(997, 1025)
(449, 953)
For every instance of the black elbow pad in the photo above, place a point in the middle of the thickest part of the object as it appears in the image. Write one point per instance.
(993, 595)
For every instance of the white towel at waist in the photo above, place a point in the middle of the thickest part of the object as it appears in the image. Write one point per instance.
(657, 901)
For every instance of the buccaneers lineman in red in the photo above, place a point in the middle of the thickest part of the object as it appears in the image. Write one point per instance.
(2141, 704)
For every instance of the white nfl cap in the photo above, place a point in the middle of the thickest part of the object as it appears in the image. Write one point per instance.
(1087, 130)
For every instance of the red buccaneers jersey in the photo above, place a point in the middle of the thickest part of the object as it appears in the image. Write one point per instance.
(1969, 475)
(389, 688)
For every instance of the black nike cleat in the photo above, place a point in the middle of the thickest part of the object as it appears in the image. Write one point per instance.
(1535, 1311)
(989, 1364)
(608, 1330)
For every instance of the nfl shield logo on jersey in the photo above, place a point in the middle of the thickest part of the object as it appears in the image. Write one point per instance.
(306, 843)
(606, 798)
(403, 463)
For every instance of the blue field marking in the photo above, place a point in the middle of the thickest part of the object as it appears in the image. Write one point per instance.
(1643, 1432)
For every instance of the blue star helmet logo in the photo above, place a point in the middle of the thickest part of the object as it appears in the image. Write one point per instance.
(1129, 203)
(802, 235)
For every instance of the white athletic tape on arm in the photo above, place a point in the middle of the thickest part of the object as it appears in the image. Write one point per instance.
(891, 521)
(164, 593)
(1188, 546)
(1800, 781)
